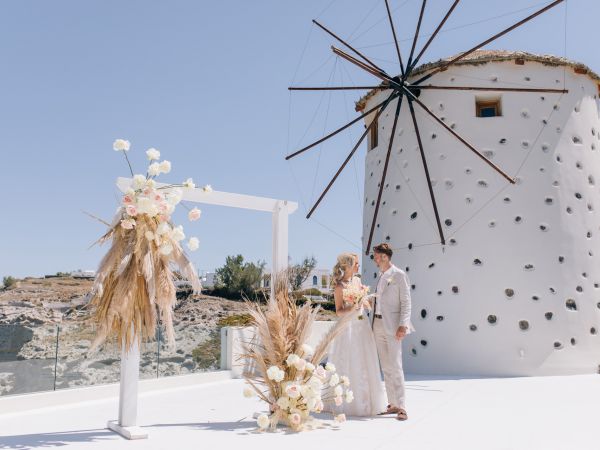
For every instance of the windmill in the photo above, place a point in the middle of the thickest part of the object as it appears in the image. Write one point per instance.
(404, 89)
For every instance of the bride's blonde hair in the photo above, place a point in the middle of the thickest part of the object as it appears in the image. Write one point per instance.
(344, 262)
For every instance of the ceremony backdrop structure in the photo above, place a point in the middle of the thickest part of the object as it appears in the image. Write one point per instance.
(130, 361)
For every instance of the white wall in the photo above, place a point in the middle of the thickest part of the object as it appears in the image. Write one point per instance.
(518, 256)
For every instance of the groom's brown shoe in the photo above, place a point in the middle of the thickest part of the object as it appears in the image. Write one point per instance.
(390, 410)
(402, 414)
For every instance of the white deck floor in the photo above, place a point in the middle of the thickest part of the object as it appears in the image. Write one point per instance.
(561, 413)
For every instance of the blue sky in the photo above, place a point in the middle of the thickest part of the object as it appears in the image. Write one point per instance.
(206, 84)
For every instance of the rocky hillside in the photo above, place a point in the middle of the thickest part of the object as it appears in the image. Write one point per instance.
(37, 314)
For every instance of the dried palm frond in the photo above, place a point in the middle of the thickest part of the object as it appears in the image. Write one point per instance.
(281, 329)
(134, 283)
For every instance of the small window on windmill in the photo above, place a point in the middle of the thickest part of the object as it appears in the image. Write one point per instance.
(488, 106)
(374, 136)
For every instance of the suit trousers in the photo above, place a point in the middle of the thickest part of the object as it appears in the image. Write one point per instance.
(390, 358)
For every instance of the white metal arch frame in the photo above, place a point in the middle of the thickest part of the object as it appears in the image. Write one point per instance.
(130, 361)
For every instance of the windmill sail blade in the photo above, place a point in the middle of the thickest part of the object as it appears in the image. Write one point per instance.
(387, 6)
(414, 44)
(367, 130)
(375, 66)
(487, 41)
(381, 75)
(432, 37)
(335, 88)
(497, 89)
(384, 174)
(333, 133)
(457, 136)
(424, 159)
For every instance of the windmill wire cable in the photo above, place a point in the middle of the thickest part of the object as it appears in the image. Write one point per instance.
(331, 78)
(458, 27)
(350, 137)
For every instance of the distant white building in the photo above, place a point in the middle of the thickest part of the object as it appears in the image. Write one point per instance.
(317, 279)
(83, 274)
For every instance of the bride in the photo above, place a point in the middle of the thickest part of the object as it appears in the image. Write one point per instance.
(353, 352)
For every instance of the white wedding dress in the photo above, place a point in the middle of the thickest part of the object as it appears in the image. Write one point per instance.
(354, 354)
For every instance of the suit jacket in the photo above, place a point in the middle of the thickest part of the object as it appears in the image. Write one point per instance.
(393, 302)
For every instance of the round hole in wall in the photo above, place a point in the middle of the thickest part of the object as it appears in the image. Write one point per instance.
(589, 234)
(558, 158)
(544, 227)
(439, 318)
(492, 224)
(576, 140)
(524, 325)
(569, 210)
(397, 187)
(578, 165)
(598, 305)
(413, 216)
(590, 207)
(439, 292)
(593, 330)
(591, 180)
(555, 183)
(507, 200)
(557, 345)
(423, 342)
(525, 144)
(410, 246)
(482, 183)
(468, 171)
(545, 147)
(455, 289)
(578, 196)
(469, 199)
(492, 319)
(509, 292)
(423, 313)
(518, 219)
(477, 262)
(413, 351)
(452, 241)
(552, 290)
(502, 141)
(571, 305)
(548, 200)
(561, 259)
(548, 315)
(528, 267)
(473, 327)
(579, 289)
(448, 222)
(573, 341)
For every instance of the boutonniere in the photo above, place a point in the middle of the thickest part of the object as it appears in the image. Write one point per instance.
(390, 281)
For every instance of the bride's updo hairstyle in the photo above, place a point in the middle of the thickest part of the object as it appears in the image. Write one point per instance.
(344, 262)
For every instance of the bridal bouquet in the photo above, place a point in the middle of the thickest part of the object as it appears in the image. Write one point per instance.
(288, 375)
(135, 278)
(355, 293)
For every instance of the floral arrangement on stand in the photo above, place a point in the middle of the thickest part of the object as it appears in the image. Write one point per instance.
(135, 281)
(288, 374)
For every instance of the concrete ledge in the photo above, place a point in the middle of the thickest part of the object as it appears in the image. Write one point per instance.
(27, 402)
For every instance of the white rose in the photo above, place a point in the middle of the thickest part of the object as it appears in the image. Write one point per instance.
(307, 349)
(338, 401)
(152, 154)
(349, 396)
(121, 145)
(163, 228)
(311, 404)
(345, 380)
(193, 244)
(293, 390)
(166, 248)
(144, 205)
(153, 169)
(338, 391)
(263, 421)
(189, 184)
(292, 359)
(194, 214)
(177, 233)
(309, 367)
(139, 181)
(275, 373)
(330, 367)
(334, 380)
(128, 224)
(300, 364)
(207, 188)
(315, 384)
(283, 402)
(150, 183)
(320, 372)
(248, 392)
(295, 419)
(149, 235)
(165, 166)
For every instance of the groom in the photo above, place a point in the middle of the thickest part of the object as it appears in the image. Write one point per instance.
(391, 323)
